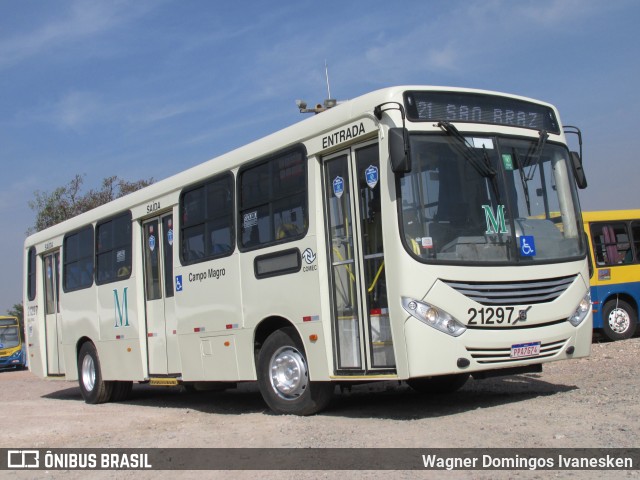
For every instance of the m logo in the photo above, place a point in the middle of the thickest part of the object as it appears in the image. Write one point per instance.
(121, 314)
(495, 223)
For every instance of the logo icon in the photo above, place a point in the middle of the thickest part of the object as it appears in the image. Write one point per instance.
(309, 256)
(338, 186)
(178, 283)
(522, 315)
(495, 223)
(527, 246)
(23, 459)
(371, 175)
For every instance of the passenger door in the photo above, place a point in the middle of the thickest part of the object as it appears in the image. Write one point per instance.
(162, 335)
(361, 331)
(53, 324)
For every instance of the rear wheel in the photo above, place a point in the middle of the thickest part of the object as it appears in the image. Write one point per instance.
(121, 391)
(440, 384)
(283, 376)
(93, 388)
(619, 320)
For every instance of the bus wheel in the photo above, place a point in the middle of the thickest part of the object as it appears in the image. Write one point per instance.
(439, 384)
(93, 388)
(283, 376)
(121, 391)
(620, 320)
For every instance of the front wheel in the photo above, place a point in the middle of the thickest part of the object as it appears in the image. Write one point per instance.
(283, 376)
(619, 320)
(93, 388)
(121, 391)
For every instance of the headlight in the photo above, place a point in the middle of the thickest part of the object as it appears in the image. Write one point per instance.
(433, 316)
(581, 312)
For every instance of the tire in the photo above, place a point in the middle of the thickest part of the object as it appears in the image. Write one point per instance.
(439, 385)
(94, 390)
(283, 376)
(121, 391)
(619, 320)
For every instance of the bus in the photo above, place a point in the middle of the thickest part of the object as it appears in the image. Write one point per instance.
(419, 234)
(614, 255)
(12, 353)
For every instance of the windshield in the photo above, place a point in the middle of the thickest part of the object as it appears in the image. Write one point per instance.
(9, 337)
(489, 199)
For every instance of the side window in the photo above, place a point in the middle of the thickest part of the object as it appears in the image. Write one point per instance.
(206, 229)
(611, 244)
(77, 270)
(273, 200)
(31, 274)
(635, 234)
(113, 249)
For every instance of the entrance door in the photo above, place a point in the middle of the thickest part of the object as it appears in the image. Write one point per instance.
(162, 338)
(362, 334)
(53, 325)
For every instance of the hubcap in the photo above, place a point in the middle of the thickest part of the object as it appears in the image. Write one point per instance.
(289, 377)
(619, 320)
(88, 373)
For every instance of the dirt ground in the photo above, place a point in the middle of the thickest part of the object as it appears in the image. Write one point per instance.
(585, 403)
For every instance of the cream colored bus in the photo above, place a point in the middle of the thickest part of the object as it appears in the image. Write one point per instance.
(414, 233)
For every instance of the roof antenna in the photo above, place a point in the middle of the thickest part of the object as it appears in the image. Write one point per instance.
(326, 73)
(328, 103)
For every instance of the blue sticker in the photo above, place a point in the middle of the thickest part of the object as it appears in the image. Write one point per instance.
(152, 243)
(527, 246)
(338, 186)
(371, 175)
(178, 283)
(170, 237)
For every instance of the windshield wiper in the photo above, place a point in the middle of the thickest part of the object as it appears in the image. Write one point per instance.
(536, 154)
(523, 180)
(483, 166)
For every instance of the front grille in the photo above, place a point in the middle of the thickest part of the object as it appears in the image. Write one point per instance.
(513, 293)
(503, 355)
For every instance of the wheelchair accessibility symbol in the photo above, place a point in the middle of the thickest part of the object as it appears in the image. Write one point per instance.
(527, 246)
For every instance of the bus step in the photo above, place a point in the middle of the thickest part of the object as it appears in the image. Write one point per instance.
(163, 382)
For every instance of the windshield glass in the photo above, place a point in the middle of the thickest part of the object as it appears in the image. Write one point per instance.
(9, 337)
(489, 199)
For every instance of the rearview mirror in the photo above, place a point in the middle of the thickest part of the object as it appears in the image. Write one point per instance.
(399, 150)
(578, 171)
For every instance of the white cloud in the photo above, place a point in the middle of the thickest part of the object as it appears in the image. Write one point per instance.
(82, 21)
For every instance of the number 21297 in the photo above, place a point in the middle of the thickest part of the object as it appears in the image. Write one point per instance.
(490, 315)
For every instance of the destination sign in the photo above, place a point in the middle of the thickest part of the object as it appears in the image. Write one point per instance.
(479, 108)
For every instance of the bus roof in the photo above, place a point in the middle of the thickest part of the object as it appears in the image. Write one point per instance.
(606, 215)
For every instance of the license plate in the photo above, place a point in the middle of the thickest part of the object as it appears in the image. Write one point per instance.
(523, 350)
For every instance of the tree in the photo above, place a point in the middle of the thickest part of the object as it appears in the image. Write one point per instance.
(68, 201)
(16, 311)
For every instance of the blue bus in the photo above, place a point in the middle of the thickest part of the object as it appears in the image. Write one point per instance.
(12, 351)
(614, 249)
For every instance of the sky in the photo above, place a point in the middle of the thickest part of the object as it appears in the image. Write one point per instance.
(143, 89)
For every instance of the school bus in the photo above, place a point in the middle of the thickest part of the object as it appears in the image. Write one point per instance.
(12, 352)
(614, 254)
